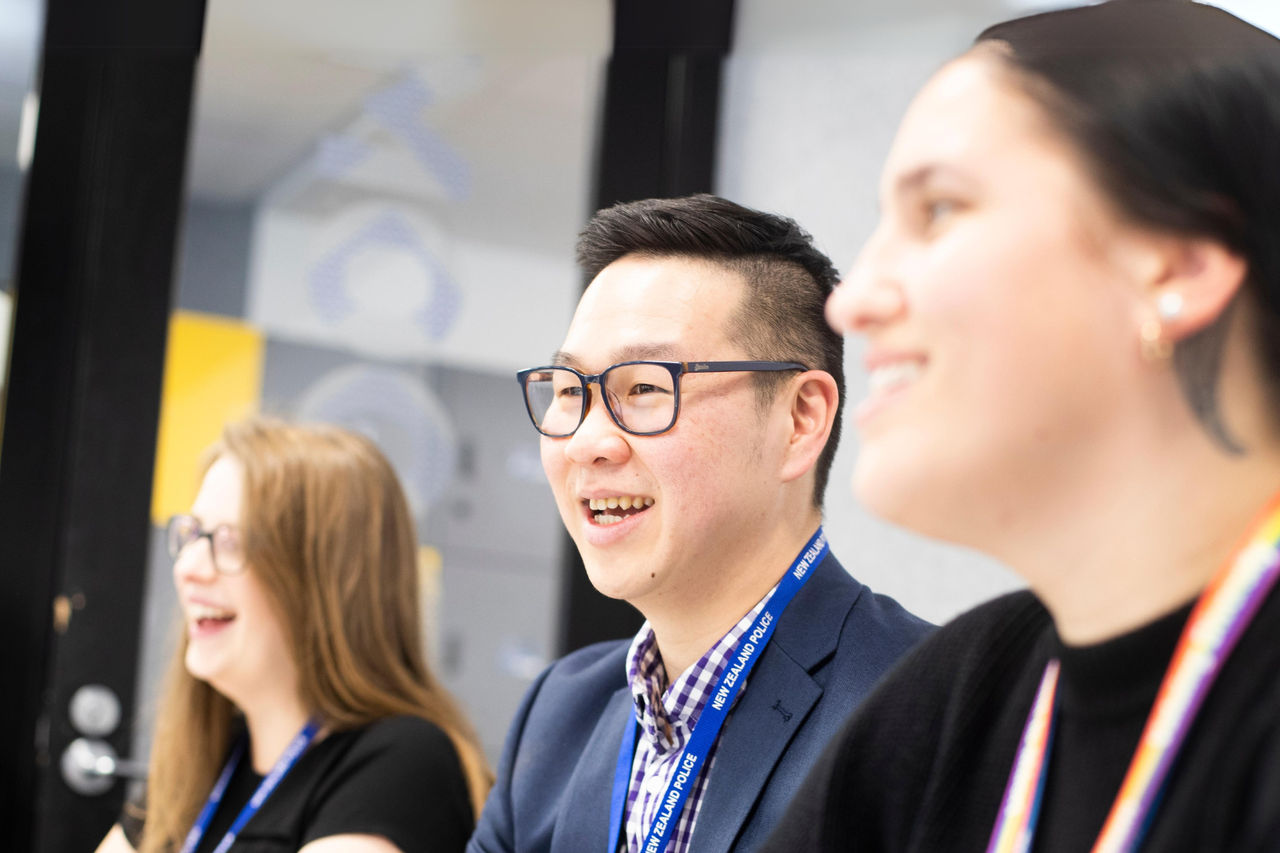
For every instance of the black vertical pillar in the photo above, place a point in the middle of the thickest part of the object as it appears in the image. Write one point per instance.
(658, 139)
(93, 289)
(662, 98)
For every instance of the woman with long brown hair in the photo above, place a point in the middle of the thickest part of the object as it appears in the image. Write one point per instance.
(299, 712)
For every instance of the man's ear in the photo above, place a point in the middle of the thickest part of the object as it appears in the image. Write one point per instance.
(812, 414)
(1194, 281)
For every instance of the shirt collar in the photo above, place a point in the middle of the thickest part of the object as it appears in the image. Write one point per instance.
(666, 712)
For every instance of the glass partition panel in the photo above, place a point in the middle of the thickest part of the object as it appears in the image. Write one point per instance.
(21, 27)
(380, 228)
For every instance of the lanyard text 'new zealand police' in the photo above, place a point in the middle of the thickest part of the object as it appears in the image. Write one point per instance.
(707, 729)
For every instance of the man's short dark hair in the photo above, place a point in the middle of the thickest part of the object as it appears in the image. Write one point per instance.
(787, 281)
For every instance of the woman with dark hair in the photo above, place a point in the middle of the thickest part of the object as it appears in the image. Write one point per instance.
(299, 712)
(1071, 307)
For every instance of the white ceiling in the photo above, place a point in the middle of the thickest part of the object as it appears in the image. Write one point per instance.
(276, 77)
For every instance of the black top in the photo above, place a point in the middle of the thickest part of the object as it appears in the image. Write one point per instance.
(399, 778)
(924, 763)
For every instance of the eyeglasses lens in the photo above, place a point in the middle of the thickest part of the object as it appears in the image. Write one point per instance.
(183, 529)
(224, 542)
(641, 396)
(554, 397)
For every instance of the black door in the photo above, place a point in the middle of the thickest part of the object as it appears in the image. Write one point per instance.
(92, 286)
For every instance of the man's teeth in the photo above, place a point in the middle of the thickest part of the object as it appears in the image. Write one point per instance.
(889, 375)
(601, 507)
(619, 503)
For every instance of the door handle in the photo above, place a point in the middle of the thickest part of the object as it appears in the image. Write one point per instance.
(91, 766)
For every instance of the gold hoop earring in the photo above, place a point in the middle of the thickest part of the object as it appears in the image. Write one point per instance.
(1156, 348)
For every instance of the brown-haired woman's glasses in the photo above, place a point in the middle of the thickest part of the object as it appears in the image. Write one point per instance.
(224, 542)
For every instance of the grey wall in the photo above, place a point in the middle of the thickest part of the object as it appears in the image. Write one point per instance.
(813, 93)
(213, 265)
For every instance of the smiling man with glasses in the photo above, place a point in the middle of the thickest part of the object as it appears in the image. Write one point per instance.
(688, 423)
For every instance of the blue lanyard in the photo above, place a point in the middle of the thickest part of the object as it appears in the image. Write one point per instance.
(283, 765)
(707, 729)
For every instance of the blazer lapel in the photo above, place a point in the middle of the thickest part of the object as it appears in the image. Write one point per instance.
(753, 739)
(583, 823)
(778, 697)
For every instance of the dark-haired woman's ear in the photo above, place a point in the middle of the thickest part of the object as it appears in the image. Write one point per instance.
(1190, 283)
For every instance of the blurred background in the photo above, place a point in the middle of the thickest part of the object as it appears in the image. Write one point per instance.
(365, 214)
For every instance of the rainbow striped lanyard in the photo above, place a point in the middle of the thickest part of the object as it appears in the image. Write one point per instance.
(1220, 616)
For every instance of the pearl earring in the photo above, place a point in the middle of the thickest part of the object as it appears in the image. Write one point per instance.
(1169, 306)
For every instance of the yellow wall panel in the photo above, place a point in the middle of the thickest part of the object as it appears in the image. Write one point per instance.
(212, 375)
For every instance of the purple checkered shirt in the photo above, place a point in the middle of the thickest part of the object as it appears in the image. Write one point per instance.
(667, 716)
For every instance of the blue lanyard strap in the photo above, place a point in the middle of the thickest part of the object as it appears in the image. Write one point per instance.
(621, 781)
(283, 765)
(707, 729)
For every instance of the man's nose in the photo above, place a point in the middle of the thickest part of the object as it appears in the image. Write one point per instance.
(597, 438)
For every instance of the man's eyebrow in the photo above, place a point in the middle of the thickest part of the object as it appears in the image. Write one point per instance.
(639, 352)
(631, 352)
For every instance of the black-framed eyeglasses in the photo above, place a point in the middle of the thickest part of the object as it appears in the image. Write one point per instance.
(224, 542)
(642, 397)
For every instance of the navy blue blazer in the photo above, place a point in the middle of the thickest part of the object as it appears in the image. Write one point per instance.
(555, 777)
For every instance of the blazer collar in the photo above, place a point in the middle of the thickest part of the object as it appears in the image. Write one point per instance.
(583, 823)
(779, 696)
(809, 630)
